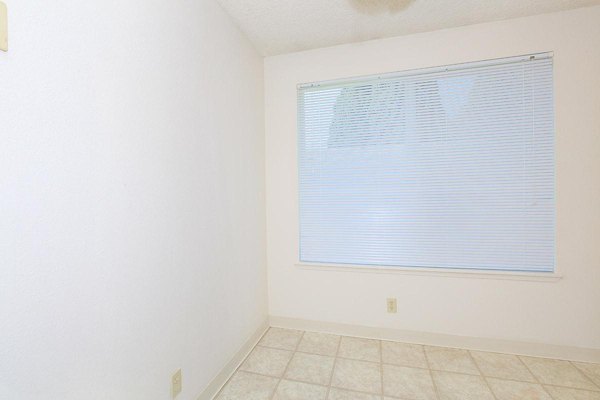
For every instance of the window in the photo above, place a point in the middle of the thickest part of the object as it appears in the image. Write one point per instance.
(449, 167)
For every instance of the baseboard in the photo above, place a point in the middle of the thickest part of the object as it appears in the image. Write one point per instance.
(223, 376)
(437, 339)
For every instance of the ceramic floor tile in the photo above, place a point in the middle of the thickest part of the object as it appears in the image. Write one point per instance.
(504, 366)
(319, 343)
(451, 360)
(278, 338)
(357, 375)
(408, 383)
(359, 349)
(340, 394)
(289, 390)
(591, 370)
(405, 354)
(452, 386)
(558, 372)
(246, 386)
(367, 369)
(561, 393)
(310, 368)
(267, 361)
(513, 390)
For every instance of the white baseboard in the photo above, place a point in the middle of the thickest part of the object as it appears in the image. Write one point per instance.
(223, 376)
(571, 353)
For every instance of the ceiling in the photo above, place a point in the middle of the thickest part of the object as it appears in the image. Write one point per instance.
(283, 26)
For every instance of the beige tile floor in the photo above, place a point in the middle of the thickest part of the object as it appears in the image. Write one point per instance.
(297, 365)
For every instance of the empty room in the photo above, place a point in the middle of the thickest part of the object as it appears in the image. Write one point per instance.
(300, 200)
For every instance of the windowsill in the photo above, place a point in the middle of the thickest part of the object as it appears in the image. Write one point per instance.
(450, 273)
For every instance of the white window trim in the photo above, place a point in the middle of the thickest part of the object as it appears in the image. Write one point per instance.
(438, 272)
(548, 277)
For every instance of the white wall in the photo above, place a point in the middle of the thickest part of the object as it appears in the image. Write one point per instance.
(566, 312)
(132, 234)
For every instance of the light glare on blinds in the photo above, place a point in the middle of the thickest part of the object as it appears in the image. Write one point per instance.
(451, 167)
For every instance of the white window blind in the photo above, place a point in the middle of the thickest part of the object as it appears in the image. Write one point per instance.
(449, 167)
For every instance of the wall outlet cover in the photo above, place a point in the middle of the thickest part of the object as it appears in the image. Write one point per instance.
(392, 305)
(176, 383)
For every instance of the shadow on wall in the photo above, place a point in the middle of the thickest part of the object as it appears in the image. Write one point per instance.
(373, 7)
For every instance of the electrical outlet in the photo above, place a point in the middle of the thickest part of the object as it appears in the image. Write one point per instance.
(176, 383)
(392, 305)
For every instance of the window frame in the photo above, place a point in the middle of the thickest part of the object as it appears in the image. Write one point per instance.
(540, 276)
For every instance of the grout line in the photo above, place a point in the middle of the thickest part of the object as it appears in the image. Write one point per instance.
(528, 369)
(534, 376)
(572, 389)
(314, 384)
(482, 375)
(509, 380)
(435, 388)
(335, 358)
(433, 384)
(546, 391)
(287, 365)
(381, 366)
(585, 374)
(368, 361)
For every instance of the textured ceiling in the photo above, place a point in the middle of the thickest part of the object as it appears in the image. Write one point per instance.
(283, 26)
